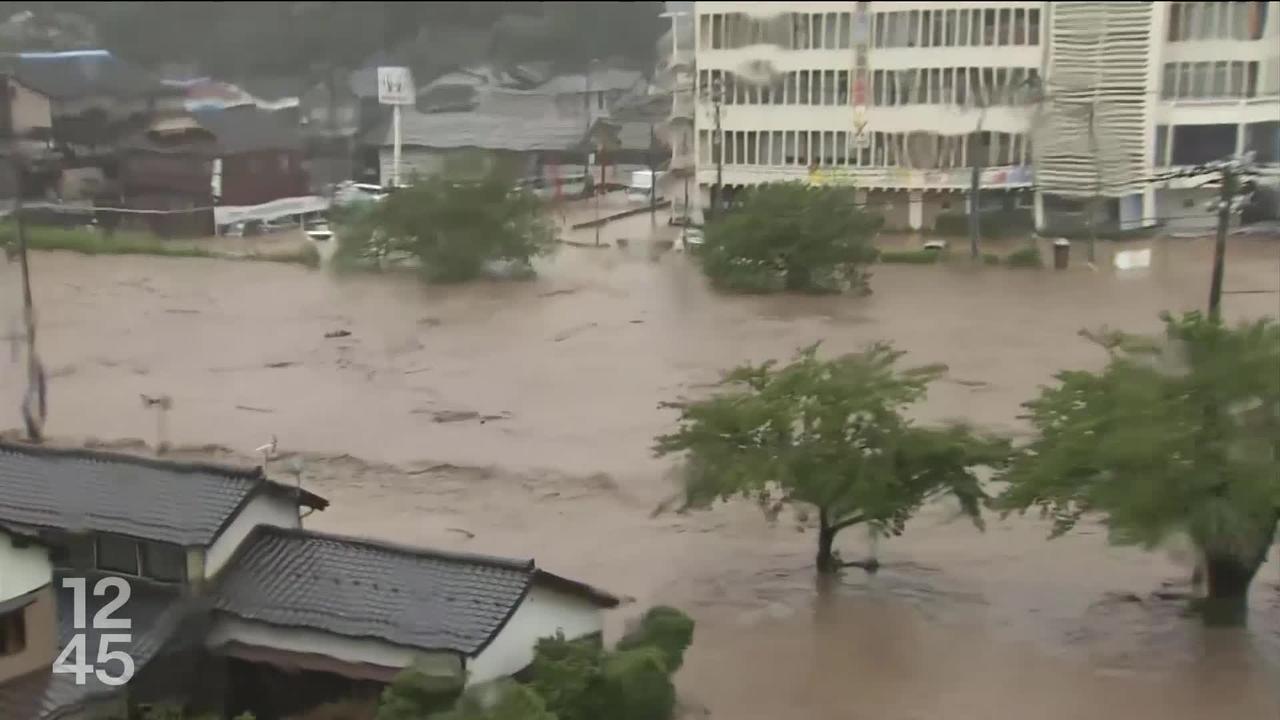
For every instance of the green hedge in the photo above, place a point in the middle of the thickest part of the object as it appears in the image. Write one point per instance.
(994, 224)
(1027, 257)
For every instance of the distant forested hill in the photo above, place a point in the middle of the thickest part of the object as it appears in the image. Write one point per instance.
(240, 39)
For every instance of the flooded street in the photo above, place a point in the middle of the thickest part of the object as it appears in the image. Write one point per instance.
(516, 419)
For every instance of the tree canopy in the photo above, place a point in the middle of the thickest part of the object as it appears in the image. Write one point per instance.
(1179, 433)
(832, 435)
(453, 229)
(791, 236)
(503, 700)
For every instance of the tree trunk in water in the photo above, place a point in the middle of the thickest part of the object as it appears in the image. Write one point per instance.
(1227, 602)
(826, 539)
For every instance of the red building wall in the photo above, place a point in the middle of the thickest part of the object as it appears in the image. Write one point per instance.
(257, 177)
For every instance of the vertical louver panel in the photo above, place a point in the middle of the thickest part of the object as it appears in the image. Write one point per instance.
(1091, 127)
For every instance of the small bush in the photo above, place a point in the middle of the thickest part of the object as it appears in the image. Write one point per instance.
(992, 224)
(665, 628)
(990, 259)
(499, 700)
(911, 257)
(565, 674)
(635, 685)
(1027, 257)
(414, 693)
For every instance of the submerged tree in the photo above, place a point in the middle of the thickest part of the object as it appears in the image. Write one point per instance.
(832, 435)
(453, 229)
(500, 700)
(1176, 434)
(790, 236)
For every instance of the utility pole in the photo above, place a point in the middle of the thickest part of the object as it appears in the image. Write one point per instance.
(653, 178)
(1097, 183)
(34, 404)
(717, 89)
(1225, 197)
(975, 186)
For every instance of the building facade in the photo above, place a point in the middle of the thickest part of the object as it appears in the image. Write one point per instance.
(1054, 103)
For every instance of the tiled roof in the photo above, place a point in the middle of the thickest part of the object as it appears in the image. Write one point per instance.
(85, 74)
(413, 597)
(249, 129)
(78, 490)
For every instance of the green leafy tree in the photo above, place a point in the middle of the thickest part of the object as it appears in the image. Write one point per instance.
(566, 674)
(414, 694)
(666, 629)
(452, 229)
(790, 236)
(501, 700)
(636, 684)
(1179, 433)
(831, 435)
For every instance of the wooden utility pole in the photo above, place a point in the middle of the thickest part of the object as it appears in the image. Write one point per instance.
(34, 404)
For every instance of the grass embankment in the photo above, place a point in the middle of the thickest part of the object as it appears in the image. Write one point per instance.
(93, 242)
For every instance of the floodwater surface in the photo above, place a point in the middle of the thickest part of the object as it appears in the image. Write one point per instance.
(517, 419)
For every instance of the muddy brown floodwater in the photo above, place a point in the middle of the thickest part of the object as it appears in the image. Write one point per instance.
(517, 418)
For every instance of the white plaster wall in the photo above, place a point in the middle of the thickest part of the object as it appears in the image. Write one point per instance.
(263, 509)
(22, 569)
(542, 614)
(353, 650)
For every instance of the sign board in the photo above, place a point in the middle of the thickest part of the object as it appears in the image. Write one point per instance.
(395, 86)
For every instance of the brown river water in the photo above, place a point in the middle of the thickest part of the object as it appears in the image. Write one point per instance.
(516, 419)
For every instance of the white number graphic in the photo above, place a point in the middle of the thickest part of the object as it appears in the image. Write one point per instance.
(73, 658)
(74, 651)
(106, 655)
(102, 620)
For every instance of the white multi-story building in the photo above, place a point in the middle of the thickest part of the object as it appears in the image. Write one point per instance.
(1078, 101)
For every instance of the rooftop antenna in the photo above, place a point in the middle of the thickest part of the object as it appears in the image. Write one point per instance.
(268, 451)
(295, 469)
(162, 404)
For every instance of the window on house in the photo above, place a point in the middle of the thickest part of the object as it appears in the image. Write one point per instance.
(815, 31)
(791, 88)
(1263, 138)
(1219, 80)
(717, 31)
(800, 31)
(1169, 81)
(1033, 26)
(877, 29)
(906, 87)
(1235, 85)
(789, 151)
(1184, 80)
(13, 632)
(989, 27)
(1175, 22)
(1019, 26)
(829, 32)
(730, 84)
(750, 149)
(913, 28)
(846, 39)
(164, 562)
(704, 147)
(842, 149)
(842, 87)
(877, 88)
(926, 28)
(1005, 25)
(935, 86)
(802, 148)
(118, 554)
(804, 88)
(828, 148)
(1199, 79)
(962, 86)
(1162, 141)
(775, 146)
(890, 88)
(1251, 79)
(937, 27)
(704, 31)
(828, 87)
(949, 34)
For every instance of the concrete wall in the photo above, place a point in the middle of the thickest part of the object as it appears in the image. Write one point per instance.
(31, 110)
(543, 613)
(22, 569)
(263, 509)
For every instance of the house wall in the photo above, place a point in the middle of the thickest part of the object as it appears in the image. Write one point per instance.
(259, 177)
(262, 509)
(41, 621)
(352, 650)
(29, 110)
(543, 613)
(22, 569)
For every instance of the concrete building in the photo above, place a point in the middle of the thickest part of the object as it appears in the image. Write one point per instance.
(1075, 100)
